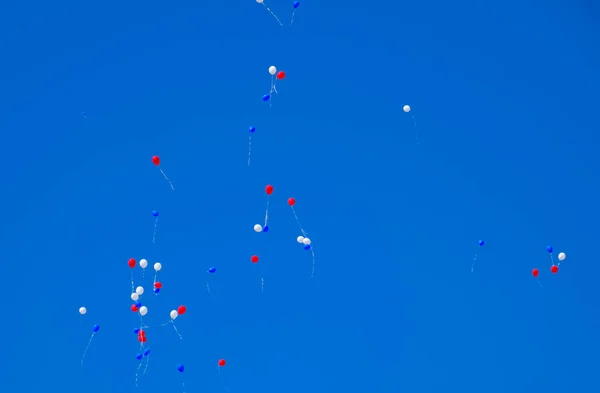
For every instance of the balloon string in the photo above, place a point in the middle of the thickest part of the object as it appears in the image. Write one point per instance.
(147, 362)
(312, 250)
(298, 221)
(137, 372)
(262, 284)
(86, 348)
(267, 210)
(132, 285)
(249, 148)
(416, 129)
(167, 179)
(293, 12)
(209, 292)
(274, 16)
(473, 265)
(154, 234)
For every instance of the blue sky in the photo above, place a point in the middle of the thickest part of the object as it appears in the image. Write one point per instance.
(505, 98)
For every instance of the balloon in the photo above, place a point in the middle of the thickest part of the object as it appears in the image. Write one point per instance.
(82, 310)
(95, 328)
(181, 310)
(266, 228)
(406, 108)
(180, 367)
(254, 258)
(136, 330)
(554, 269)
(143, 310)
(131, 263)
(306, 241)
(135, 296)
(549, 249)
(222, 362)
(291, 201)
(535, 272)
(212, 270)
(138, 356)
(155, 213)
(156, 160)
(142, 338)
(259, 1)
(300, 239)
(143, 263)
(134, 308)
(251, 129)
(481, 243)
(157, 266)
(562, 256)
(173, 314)
(307, 247)
(280, 75)
(269, 189)
(158, 285)
(296, 4)
(147, 352)
(139, 290)
(258, 228)
(266, 97)
(138, 304)
(156, 291)
(272, 70)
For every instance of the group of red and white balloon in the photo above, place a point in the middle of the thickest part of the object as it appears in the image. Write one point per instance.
(554, 268)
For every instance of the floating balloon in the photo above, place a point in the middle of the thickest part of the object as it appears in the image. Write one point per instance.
(481, 243)
(139, 290)
(135, 296)
(280, 75)
(269, 10)
(181, 310)
(212, 270)
(549, 249)
(143, 310)
(82, 310)
(406, 108)
(156, 291)
(157, 266)
(138, 304)
(258, 228)
(155, 214)
(562, 256)
(156, 161)
(139, 356)
(295, 4)
(272, 70)
(251, 130)
(300, 239)
(291, 201)
(535, 272)
(266, 97)
(222, 362)
(95, 329)
(158, 285)
(266, 228)
(180, 368)
(134, 308)
(305, 240)
(269, 189)
(173, 314)
(143, 263)
(131, 263)
(554, 269)
(147, 352)
(254, 258)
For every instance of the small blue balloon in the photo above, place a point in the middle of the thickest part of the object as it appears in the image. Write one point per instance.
(156, 291)
(139, 356)
(155, 213)
(212, 269)
(136, 330)
(138, 304)
(266, 228)
(481, 243)
(251, 129)
(549, 249)
(180, 368)
(266, 97)
(96, 328)
(296, 4)
(147, 352)
(307, 247)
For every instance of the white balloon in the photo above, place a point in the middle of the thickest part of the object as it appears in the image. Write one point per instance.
(135, 297)
(406, 108)
(306, 241)
(300, 239)
(157, 266)
(139, 290)
(272, 70)
(143, 263)
(82, 310)
(173, 314)
(258, 228)
(562, 256)
(143, 310)
(260, 1)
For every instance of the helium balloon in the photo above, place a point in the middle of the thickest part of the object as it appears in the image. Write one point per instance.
(134, 308)
(296, 4)
(272, 70)
(280, 75)
(147, 352)
(181, 310)
(135, 296)
(266, 97)
(269, 189)
(266, 228)
(143, 263)
(259, 1)
(251, 129)
(173, 314)
(554, 269)
(131, 263)
(562, 256)
(136, 330)
(291, 201)
(258, 228)
(535, 272)
(139, 356)
(406, 108)
(306, 241)
(300, 239)
(143, 310)
(549, 249)
(481, 243)
(138, 304)
(158, 285)
(222, 362)
(212, 270)
(307, 247)
(95, 328)
(155, 213)
(156, 291)
(157, 266)
(82, 310)
(139, 290)
(180, 367)
(156, 160)
(254, 258)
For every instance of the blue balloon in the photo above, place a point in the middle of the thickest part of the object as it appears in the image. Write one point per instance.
(296, 4)
(307, 247)
(147, 352)
(549, 249)
(136, 330)
(96, 328)
(180, 368)
(266, 229)
(481, 243)
(156, 291)
(251, 129)
(266, 97)
(139, 356)
(212, 269)
(138, 304)
(155, 213)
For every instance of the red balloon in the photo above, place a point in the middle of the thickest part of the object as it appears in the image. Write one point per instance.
(554, 269)
(222, 362)
(291, 201)
(157, 285)
(254, 258)
(156, 160)
(142, 338)
(280, 75)
(535, 272)
(269, 189)
(181, 310)
(134, 308)
(131, 263)
(141, 333)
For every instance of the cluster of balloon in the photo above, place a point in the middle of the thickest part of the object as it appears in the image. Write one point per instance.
(295, 4)
(95, 328)
(275, 76)
(553, 268)
(156, 161)
(268, 191)
(303, 239)
(480, 243)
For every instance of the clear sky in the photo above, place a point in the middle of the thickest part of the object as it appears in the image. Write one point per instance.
(505, 96)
